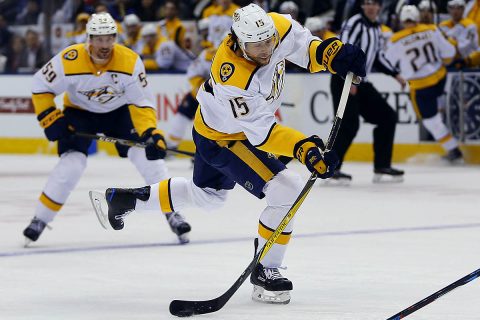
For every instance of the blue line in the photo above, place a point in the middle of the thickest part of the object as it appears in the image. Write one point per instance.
(33, 251)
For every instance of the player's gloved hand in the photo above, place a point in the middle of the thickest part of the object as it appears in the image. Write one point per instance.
(54, 124)
(310, 152)
(156, 148)
(341, 58)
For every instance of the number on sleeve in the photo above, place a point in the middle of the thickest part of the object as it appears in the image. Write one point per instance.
(239, 107)
(48, 72)
(143, 79)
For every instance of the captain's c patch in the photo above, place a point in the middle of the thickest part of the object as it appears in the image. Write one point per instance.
(71, 54)
(226, 71)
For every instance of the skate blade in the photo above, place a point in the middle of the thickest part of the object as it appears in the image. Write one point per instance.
(100, 206)
(184, 238)
(272, 297)
(27, 243)
(386, 178)
(338, 182)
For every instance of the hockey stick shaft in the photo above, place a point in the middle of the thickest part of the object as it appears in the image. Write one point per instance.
(185, 308)
(422, 303)
(125, 142)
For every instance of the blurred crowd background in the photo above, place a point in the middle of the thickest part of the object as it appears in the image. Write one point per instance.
(32, 31)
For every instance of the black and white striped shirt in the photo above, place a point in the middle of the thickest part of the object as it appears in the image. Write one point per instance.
(360, 31)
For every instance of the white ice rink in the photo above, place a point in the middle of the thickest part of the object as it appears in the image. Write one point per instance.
(361, 252)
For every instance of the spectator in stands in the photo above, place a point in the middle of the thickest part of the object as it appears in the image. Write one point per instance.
(150, 44)
(461, 32)
(202, 27)
(5, 35)
(15, 54)
(133, 28)
(220, 7)
(318, 27)
(171, 27)
(35, 53)
(291, 8)
(78, 34)
(146, 10)
(30, 13)
(119, 9)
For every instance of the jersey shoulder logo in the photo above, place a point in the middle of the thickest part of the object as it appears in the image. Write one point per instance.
(226, 71)
(71, 54)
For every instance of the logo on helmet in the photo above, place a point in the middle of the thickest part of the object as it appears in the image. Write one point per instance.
(226, 71)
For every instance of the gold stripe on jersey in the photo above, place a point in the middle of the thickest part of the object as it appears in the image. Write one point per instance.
(265, 232)
(143, 118)
(202, 128)
(250, 159)
(281, 140)
(409, 31)
(429, 80)
(42, 101)
(164, 196)
(313, 65)
(413, 99)
(282, 24)
(230, 69)
(195, 83)
(445, 138)
(123, 61)
(49, 203)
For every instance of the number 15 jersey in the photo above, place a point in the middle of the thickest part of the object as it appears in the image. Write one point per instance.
(421, 53)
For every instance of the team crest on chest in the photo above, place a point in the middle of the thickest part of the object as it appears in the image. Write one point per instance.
(278, 81)
(71, 54)
(226, 71)
(102, 95)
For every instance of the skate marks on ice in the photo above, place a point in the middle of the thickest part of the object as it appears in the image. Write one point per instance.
(32, 251)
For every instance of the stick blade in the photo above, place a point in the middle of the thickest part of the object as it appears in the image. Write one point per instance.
(184, 308)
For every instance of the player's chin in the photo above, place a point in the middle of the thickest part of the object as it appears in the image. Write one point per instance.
(262, 61)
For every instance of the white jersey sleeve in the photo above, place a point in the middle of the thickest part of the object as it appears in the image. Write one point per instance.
(447, 50)
(200, 67)
(50, 78)
(165, 55)
(468, 40)
(138, 90)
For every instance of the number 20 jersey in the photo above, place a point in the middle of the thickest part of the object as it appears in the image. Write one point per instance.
(420, 52)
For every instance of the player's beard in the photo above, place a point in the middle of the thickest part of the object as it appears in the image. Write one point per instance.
(100, 56)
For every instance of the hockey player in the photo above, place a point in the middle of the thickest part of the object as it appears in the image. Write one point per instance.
(198, 71)
(422, 52)
(236, 134)
(106, 91)
(462, 32)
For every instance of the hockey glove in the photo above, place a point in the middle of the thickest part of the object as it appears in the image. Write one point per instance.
(341, 58)
(156, 148)
(54, 124)
(309, 151)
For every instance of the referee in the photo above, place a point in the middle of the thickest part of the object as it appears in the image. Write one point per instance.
(363, 30)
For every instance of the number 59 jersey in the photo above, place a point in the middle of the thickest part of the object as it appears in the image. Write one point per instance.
(90, 87)
(240, 99)
(420, 52)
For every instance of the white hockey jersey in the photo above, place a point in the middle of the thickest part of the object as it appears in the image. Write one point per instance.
(97, 89)
(420, 53)
(463, 33)
(199, 69)
(242, 98)
(170, 55)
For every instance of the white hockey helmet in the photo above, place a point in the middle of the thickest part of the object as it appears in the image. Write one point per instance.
(456, 3)
(409, 13)
(149, 29)
(315, 24)
(427, 5)
(101, 24)
(252, 24)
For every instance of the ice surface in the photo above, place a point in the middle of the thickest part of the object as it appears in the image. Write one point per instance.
(365, 251)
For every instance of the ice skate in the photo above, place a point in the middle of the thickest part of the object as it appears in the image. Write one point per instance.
(34, 230)
(269, 286)
(454, 156)
(116, 204)
(387, 175)
(339, 178)
(179, 226)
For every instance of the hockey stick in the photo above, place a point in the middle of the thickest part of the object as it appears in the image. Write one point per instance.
(129, 143)
(185, 308)
(422, 303)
